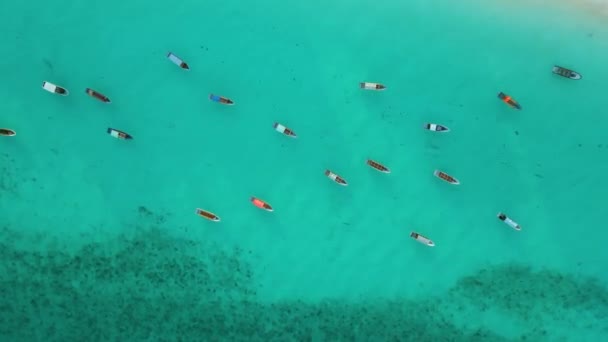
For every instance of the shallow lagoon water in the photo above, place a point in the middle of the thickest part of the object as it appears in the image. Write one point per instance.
(101, 233)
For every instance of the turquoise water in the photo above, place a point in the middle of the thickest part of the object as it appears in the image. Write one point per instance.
(99, 239)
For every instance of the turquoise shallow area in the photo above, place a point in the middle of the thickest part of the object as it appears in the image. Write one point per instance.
(99, 240)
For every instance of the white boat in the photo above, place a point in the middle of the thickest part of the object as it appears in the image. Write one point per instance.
(567, 73)
(423, 240)
(178, 61)
(53, 88)
(436, 128)
(335, 178)
(119, 134)
(371, 86)
(508, 221)
(284, 130)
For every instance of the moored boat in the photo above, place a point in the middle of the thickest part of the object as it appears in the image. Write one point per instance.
(53, 88)
(508, 221)
(178, 61)
(372, 86)
(261, 204)
(567, 73)
(508, 100)
(335, 178)
(423, 240)
(444, 176)
(221, 99)
(7, 132)
(436, 127)
(97, 95)
(282, 129)
(119, 134)
(378, 166)
(207, 214)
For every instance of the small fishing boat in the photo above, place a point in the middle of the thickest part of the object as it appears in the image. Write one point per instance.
(423, 240)
(444, 176)
(178, 61)
(261, 204)
(119, 134)
(508, 100)
(221, 99)
(7, 132)
(567, 73)
(436, 128)
(378, 166)
(95, 94)
(335, 178)
(207, 214)
(53, 88)
(371, 86)
(508, 221)
(282, 129)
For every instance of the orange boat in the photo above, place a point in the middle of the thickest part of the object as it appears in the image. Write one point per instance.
(508, 100)
(261, 204)
(378, 166)
(335, 178)
(95, 94)
(207, 214)
(444, 176)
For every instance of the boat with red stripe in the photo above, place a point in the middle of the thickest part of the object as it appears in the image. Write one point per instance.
(508, 100)
(207, 214)
(378, 166)
(261, 204)
(282, 129)
(335, 178)
(97, 95)
(444, 176)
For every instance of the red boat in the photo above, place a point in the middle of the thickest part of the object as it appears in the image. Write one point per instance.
(261, 204)
(378, 166)
(101, 97)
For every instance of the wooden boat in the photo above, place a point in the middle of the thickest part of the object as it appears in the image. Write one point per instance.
(508, 221)
(378, 166)
(95, 94)
(282, 129)
(567, 73)
(335, 178)
(178, 61)
(207, 214)
(508, 100)
(221, 99)
(261, 204)
(436, 128)
(53, 88)
(6, 132)
(371, 86)
(119, 134)
(444, 176)
(423, 240)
